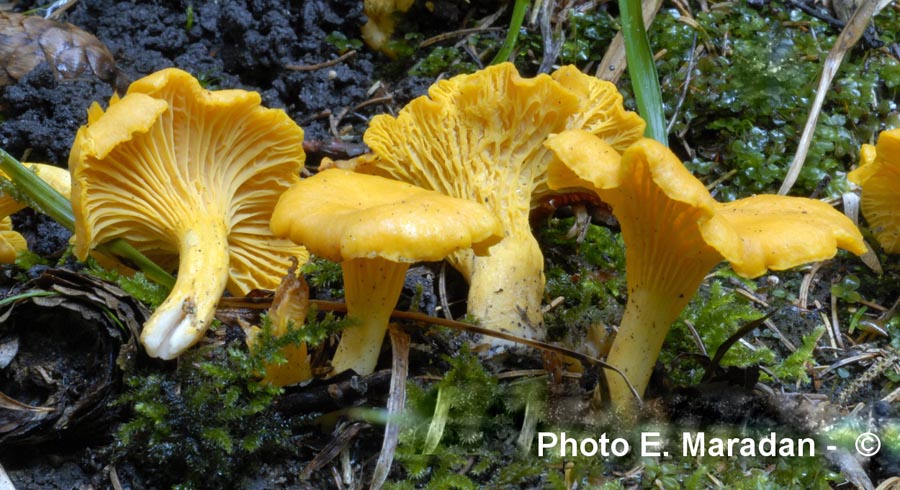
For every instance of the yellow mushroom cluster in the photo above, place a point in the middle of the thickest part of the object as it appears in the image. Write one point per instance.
(207, 182)
(480, 138)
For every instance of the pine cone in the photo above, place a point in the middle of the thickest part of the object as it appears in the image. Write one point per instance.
(27, 41)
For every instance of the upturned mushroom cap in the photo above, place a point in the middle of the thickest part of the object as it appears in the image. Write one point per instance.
(177, 170)
(879, 176)
(675, 232)
(376, 227)
(479, 137)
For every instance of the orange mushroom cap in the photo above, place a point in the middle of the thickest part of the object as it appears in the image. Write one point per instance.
(879, 176)
(181, 171)
(377, 227)
(675, 233)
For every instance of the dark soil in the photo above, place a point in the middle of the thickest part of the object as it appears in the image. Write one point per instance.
(234, 44)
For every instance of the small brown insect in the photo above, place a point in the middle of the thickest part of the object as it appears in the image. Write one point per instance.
(27, 41)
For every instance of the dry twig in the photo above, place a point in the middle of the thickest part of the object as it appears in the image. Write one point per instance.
(324, 64)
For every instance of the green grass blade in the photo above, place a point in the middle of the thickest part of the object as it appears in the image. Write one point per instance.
(37, 193)
(515, 24)
(642, 69)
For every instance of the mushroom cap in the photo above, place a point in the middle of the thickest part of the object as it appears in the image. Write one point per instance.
(780, 232)
(11, 242)
(754, 234)
(169, 152)
(590, 162)
(340, 215)
(479, 136)
(879, 176)
(603, 113)
(58, 178)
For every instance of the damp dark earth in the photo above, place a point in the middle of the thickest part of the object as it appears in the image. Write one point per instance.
(804, 352)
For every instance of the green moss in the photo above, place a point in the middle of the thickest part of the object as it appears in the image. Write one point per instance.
(443, 59)
(324, 276)
(26, 259)
(795, 366)
(477, 448)
(210, 419)
(137, 285)
(589, 276)
(750, 92)
(716, 313)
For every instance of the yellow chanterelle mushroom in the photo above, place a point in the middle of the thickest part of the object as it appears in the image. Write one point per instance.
(480, 137)
(377, 227)
(675, 233)
(180, 171)
(879, 176)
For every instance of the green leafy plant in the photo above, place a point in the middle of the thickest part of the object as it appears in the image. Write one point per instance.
(343, 44)
(188, 18)
(716, 313)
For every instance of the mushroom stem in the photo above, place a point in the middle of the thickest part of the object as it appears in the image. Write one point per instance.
(371, 290)
(645, 324)
(506, 287)
(662, 279)
(202, 275)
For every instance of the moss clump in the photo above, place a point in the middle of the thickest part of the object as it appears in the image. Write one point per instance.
(324, 277)
(210, 420)
(589, 276)
(136, 285)
(716, 314)
(750, 92)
